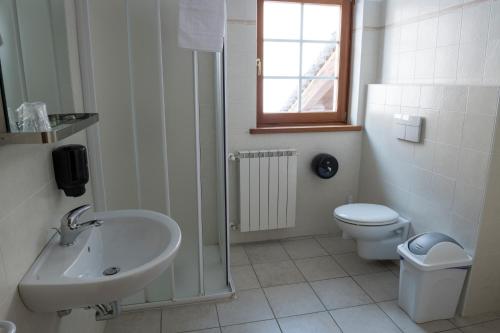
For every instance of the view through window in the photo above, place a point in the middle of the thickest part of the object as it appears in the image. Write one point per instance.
(300, 61)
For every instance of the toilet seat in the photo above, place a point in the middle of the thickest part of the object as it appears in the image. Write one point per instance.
(366, 214)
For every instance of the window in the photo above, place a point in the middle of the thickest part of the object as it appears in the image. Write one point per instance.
(303, 54)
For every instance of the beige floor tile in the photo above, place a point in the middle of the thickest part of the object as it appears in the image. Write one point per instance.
(393, 266)
(337, 245)
(238, 256)
(340, 293)
(354, 265)
(320, 268)
(133, 322)
(277, 273)
(294, 299)
(250, 305)
(189, 318)
(487, 327)
(401, 319)
(266, 252)
(320, 322)
(268, 326)
(364, 319)
(244, 278)
(380, 286)
(303, 248)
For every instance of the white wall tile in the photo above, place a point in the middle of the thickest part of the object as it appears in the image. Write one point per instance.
(471, 62)
(427, 34)
(494, 32)
(483, 100)
(468, 201)
(478, 132)
(491, 67)
(409, 33)
(443, 4)
(428, 7)
(440, 176)
(450, 126)
(430, 123)
(475, 21)
(406, 68)
(446, 63)
(445, 160)
(473, 167)
(449, 28)
(424, 154)
(431, 97)
(424, 65)
(454, 99)
(241, 10)
(465, 231)
(411, 96)
(442, 191)
(376, 95)
(393, 95)
(421, 182)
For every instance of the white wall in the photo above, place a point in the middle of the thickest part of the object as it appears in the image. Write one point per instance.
(483, 294)
(442, 41)
(316, 198)
(30, 204)
(439, 183)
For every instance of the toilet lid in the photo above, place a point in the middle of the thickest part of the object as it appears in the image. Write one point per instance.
(366, 214)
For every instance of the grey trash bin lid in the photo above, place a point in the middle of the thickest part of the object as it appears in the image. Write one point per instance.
(423, 243)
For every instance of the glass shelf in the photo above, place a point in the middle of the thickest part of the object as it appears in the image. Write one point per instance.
(63, 126)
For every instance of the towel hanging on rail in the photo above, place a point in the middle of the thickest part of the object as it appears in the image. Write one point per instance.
(202, 24)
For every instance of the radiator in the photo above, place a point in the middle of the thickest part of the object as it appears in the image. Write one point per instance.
(268, 189)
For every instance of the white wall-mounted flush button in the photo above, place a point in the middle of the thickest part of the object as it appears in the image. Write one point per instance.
(407, 127)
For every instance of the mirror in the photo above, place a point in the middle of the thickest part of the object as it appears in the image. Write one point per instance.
(39, 60)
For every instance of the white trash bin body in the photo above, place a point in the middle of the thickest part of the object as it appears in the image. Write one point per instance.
(432, 273)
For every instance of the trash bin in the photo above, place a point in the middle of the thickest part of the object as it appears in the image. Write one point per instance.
(432, 274)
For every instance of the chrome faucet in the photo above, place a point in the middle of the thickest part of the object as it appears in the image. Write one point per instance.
(71, 227)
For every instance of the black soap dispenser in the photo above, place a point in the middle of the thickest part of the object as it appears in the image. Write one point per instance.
(71, 169)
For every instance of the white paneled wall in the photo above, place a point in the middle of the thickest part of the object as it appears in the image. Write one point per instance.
(442, 41)
(439, 183)
(30, 204)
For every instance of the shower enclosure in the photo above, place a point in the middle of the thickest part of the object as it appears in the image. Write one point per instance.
(173, 124)
(200, 271)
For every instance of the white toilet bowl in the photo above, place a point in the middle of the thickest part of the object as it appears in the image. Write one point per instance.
(377, 229)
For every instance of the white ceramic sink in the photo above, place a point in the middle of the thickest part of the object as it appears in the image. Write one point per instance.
(142, 244)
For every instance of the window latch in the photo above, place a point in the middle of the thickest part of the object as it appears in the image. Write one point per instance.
(259, 67)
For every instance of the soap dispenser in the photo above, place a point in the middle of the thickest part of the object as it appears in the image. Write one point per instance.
(71, 169)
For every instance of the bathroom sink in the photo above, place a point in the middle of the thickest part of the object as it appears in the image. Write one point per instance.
(127, 252)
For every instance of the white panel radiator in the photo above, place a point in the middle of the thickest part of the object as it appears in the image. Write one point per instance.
(268, 189)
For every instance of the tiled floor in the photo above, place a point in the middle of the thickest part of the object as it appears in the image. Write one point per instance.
(308, 285)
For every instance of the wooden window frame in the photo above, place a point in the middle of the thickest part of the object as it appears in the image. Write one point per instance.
(309, 118)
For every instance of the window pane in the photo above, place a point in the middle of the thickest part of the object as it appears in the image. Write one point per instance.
(321, 22)
(280, 95)
(320, 59)
(281, 59)
(319, 95)
(281, 20)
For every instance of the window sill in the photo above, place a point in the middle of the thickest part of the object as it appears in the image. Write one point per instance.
(304, 129)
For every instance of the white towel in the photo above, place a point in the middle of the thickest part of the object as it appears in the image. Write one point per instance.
(202, 24)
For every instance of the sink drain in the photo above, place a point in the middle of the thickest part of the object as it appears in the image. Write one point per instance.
(111, 271)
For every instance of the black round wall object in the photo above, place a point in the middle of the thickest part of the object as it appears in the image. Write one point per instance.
(325, 166)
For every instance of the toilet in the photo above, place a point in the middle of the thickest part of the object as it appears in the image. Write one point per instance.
(377, 229)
